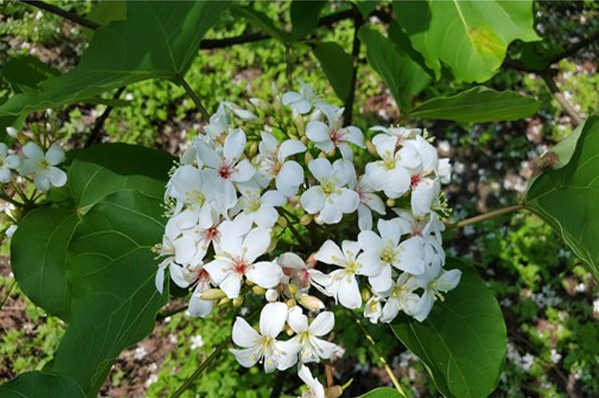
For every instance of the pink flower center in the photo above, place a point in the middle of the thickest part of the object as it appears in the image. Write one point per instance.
(225, 171)
(212, 233)
(240, 267)
(203, 275)
(304, 277)
(415, 180)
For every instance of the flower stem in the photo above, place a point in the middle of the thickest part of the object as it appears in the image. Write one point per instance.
(486, 216)
(194, 97)
(7, 295)
(380, 356)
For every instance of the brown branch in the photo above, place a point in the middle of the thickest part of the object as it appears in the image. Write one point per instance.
(65, 14)
(486, 216)
(576, 47)
(95, 135)
(560, 98)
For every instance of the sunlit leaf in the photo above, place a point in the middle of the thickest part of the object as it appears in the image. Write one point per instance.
(40, 385)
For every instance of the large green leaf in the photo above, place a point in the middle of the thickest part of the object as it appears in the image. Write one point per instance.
(304, 17)
(567, 196)
(24, 72)
(402, 75)
(463, 341)
(471, 37)
(40, 385)
(110, 272)
(479, 104)
(158, 40)
(262, 21)
(104, 169)
(382, 393)
(38, 258)
(337, 66)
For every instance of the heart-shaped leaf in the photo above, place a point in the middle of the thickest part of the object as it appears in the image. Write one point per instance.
(40, 385)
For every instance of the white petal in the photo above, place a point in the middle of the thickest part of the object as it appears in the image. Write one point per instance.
(234, 146)
(289, 148)
(255, 244)
(389, 231)
(398, 182)
(33, 151)
(266, 217)
(323, 323)
(159, 280)
(424, 306)
(297, 321)
(313, 200)
(42, 182)
(273, 198)
(273, 318)
(449, 280)
(5, 175)
(349, 200)
(390, 310)
(265, 274)
(423, 196)
(370, 242)
(355, 136)
(331, 212)
(247, 357)
(318, 131)
(364, 217)
(384, 144)
(349, 293)
(55, 155)
(409, 157)
(320, 168)
(383, 281)
(12, 161)
(290, 97)
(326, 349)
(207, 154)
(199, 307)
(288, 357)
(411, 257)
(329, 253)
(243, 334)
(244, 171)
(289, 178)
(231, 285)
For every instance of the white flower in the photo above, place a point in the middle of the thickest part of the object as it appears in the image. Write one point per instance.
(7, 163)
(43, 166)
(389, 174)
(400, 298)
(429, 229)
(263, 346)
(313, 348)
(272, 162)
(331, 199)
(227, 169)
(187, 186)
(400, 134)
(241, 113)
(176, 249)
(301, 102)
(194, 274)
(258, 207)
(328, 137)
(435, 281)
(315, 389)
(197, 341)
(369, 202)
(373, 308)
(235, 258)
(342, 284)
(295, 269)
(219, 122)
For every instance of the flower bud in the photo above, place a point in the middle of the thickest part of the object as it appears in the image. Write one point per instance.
(306, 219)
(272, 246)
(299, 123)
(253, 150)
(292, 289)
(212, 294)
(249, 282)
(390, 202)
(365, 294)
(271, 295)
(371, 148)
(259, 290)
(308, 156)
(333, 392)
(291, 303)
(223, 301)
(12, 132)
(310, 302)
(282, 221)
(238, 302)
(304, 140)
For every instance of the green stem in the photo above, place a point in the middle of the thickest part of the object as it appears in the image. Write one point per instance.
(560, 98)
(7, 295)
(194, 97)
(486, 216)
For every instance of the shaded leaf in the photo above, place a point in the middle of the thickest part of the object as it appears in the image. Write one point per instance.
(40, 385)
(365, 7)
(337, 66)
(110, 271)
(402, 75)
(24, 72)
(566, 196)
(463, 341)
(471, 37)
(262, 21)
(382, 393)
(479, 104)
(158, 40)
(304, 17)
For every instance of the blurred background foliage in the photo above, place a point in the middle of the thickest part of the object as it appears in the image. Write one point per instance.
(550, 302)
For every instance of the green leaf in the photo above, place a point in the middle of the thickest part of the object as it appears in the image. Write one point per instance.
(158, 40)
(105, 12)
(463, 341)
(471, 37)
(107, 168)
(337, 66)
(382, 393)
(479, 104)
(566, 197)
(38, 258)
(403, 76)
(262, 21)
(304, 17)
(40, 385)
(365, 7)
(24, 72)
(110, 272)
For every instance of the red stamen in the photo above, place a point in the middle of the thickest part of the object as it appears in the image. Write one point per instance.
(240, 267)
(225, 171)
(415, 180)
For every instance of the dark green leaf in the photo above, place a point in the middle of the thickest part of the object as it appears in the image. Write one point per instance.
(382, 393)
(105, 12)
(40, 385)
(104, 169)
(403, 76)
(337, 66)
(479, 104)
(260, 20)
(158, 40)
(471, 37)
(463, 341)
(366, 7)
(110, 272)
(566, 196)
(38, 258)
(24, 72)
(304, 17)
(402, 41)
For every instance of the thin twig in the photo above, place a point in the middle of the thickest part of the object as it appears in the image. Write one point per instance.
(194, 97)
(7, 295)
(203, 366)
(575, 47)
(8, 199)
(379, 355)
(560, 98)
(328, 372)
(349, 102)
(164, 315)
(95, 135)
(277, 388)
(486, 216)
(65, 14)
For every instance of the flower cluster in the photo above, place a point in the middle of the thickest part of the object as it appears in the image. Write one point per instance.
(263, 206)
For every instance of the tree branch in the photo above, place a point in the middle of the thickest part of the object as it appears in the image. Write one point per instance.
(561, 99)
(65, 14)
(576, 47)
(95, 134)
(194, 97)
(486, 216)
